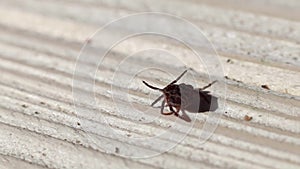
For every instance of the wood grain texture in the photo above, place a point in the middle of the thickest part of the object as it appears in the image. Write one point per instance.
(257, 44)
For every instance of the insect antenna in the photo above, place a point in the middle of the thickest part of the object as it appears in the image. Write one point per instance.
(179, 77)
(152, 87)
(158, 99)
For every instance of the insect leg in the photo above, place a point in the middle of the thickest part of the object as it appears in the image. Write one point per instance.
(162, 109)
(177, 110)
(185, 117)
(207, 86)
(160, 97)
(173, 111)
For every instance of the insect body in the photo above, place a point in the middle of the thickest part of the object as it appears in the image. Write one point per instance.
(183, 97)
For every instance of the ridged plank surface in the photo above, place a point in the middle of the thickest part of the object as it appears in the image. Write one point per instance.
(40, 128)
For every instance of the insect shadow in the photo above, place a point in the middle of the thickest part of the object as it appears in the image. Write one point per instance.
(185, 97)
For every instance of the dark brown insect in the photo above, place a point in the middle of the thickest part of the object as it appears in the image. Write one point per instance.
(183, 97)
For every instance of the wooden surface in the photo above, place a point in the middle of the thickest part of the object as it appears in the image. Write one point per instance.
(258, 43)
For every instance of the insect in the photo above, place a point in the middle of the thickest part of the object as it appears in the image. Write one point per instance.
(183, 97)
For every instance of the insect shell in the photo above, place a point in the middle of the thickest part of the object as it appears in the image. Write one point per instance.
(183, 97)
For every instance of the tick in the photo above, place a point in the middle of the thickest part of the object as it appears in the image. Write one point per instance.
(183, 97)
